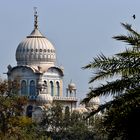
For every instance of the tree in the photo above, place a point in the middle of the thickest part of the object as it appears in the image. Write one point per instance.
(65, 125)
(13, 125)
(10, 105)
(79, 129)
(124, 70)
(52, 123)
(66, 117)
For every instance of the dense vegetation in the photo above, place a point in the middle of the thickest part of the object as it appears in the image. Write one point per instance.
(55, 124)
(12, 124)
(65, 125)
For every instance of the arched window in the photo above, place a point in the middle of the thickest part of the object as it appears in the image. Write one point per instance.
(45, 85)
(52, 88)
(57, 88)
(29, 111)
(23, 88)
(32, 88)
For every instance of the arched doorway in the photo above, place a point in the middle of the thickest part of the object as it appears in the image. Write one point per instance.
(29, 111)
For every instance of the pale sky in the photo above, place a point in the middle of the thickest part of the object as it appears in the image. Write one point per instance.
(78, 29)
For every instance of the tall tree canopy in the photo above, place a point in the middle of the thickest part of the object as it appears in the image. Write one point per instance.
(13, 125)
(124, 71)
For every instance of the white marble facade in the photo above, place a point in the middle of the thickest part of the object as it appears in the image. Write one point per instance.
(40, 79)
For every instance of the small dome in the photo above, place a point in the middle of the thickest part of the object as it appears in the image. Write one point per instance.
(95, 100)
(44, 99)
(93, 103)
(80, 109)
(71, 86)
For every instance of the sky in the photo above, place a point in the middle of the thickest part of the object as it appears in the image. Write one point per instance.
(78, 29)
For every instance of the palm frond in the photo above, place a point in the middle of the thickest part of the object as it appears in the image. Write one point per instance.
(131, 40)
(89, 96)
(124, 66)
(112, 88)
(128, 53)
(128, 27)
(101, 108)
(101, 75)
(97, 62)
(130, 98)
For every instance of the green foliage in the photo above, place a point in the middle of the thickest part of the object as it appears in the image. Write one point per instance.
(13, 125)
(65, 125)
(56, 123)
(66, 117)
(123, 71)
(53, 118)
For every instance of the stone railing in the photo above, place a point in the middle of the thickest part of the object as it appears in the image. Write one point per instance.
(64, 98)
(55, 98)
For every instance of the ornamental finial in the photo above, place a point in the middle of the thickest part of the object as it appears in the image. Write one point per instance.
(35, 18)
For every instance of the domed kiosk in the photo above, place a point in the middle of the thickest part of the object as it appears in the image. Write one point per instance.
(44, 99)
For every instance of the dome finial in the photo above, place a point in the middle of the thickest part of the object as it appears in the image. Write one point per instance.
(70, 81)
(35, 18)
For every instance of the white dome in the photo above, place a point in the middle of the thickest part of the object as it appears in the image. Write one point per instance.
(44, 99)
(80, 109)
(35, 49)
(71, 86)
(95, 100)
(93, 103)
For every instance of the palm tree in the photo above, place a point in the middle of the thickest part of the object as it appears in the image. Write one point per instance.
(124, 69)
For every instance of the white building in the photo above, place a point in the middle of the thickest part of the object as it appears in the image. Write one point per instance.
(41, 80)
